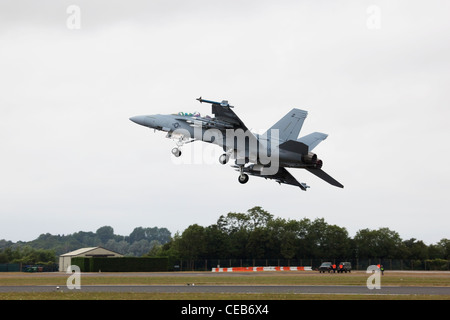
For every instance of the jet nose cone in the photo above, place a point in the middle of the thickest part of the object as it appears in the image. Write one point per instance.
(139, 120)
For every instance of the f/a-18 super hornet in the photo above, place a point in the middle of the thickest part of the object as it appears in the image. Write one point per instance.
(263, 155)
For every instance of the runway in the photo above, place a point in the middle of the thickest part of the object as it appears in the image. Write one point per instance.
(250, 289)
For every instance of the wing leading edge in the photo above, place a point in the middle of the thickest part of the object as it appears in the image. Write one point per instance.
(222, 112)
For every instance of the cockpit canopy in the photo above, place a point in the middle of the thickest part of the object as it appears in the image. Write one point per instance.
(190, 114)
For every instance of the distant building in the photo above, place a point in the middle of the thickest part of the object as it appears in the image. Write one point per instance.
(65, 259)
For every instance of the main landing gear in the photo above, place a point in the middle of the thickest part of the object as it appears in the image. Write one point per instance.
(243, 177)
(224, 158)
(176, 152)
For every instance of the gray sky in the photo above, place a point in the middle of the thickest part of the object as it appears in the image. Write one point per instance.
(374, 75)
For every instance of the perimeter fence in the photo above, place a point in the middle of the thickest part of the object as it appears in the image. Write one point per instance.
(10, 267)
(20, 267)
(357, 264)
(209, 264)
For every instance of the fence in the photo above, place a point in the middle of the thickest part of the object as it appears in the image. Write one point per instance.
(357, 264)
(18, 267)
(209, 264)
(10, 267)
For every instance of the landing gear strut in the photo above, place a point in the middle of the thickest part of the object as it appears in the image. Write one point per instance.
(180, 142)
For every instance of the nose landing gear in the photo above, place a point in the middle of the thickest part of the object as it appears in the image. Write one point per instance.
(180, 142)
(223, 159)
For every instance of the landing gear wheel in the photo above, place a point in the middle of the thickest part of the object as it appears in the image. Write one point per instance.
(223, 159)
(176, 152)
(243, 178)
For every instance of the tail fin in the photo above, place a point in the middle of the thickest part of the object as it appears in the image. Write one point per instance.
(290, 125)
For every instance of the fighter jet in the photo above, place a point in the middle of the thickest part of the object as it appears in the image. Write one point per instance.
(266, 155)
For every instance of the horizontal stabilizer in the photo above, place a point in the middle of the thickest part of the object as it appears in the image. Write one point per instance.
(294, 146)
(324, 176)
(313, 139)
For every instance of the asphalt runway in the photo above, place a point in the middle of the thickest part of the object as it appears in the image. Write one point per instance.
(274, 289)
(223, 288)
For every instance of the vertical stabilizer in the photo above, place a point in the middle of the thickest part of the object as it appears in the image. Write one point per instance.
(290, 125)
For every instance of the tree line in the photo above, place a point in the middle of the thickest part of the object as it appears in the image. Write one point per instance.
(257, 234)
(47, 247)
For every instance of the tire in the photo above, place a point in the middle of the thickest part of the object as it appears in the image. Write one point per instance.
(223, 159)
(176, 152)
(243, 178)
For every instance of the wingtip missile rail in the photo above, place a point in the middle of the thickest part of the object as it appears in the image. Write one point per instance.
(224, 103)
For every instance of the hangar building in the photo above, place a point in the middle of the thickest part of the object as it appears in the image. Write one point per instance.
(65, 259)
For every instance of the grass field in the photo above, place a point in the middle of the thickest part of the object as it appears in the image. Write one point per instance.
(71, 295)
(208, 278)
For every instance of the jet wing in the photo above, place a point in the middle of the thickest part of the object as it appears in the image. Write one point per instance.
(227, 115)
(223, 113)
(282, 176)
(324, 176)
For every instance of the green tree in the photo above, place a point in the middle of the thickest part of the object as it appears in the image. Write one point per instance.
(257, 243)
(258, 218)
(414, 249)
(322, 240)
(139, 248)
(381, 243)
(315, 240)
(442, 249)
(162, 235)
(105, 233)
(27, 255)
(191, 244)
(216, 242)
(233, 222)
(236, 227)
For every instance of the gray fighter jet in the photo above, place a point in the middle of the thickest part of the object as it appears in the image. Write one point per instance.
(267, 155)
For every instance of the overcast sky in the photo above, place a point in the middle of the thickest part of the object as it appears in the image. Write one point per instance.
(373, 75)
